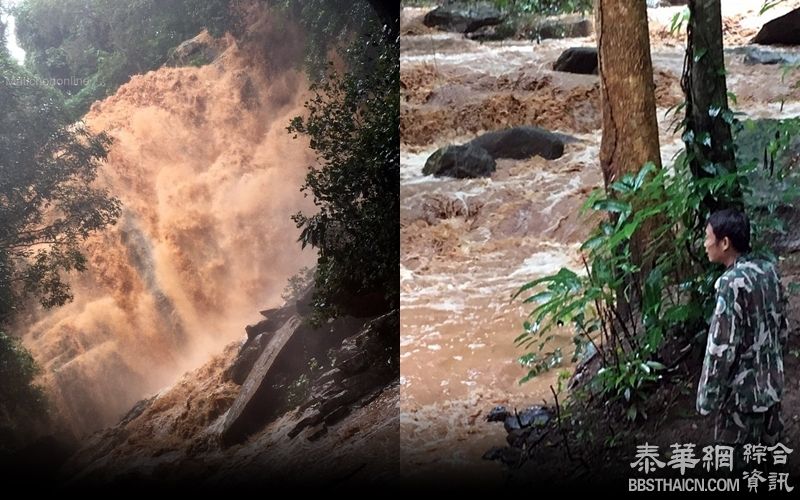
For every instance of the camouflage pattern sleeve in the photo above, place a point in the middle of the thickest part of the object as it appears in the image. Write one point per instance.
(724, 336)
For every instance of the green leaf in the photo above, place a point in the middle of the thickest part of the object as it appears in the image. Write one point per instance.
(643, 173)
(613, 206)
(593, 242)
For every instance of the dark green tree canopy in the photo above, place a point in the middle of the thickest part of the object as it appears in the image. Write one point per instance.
(48, 203)
(353, 124)
(101, 43)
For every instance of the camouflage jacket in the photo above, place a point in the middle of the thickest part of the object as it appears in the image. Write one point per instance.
(743, 366)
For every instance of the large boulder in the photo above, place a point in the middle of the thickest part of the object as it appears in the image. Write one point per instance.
(196, 51)
(784, 30)
(462, 19)
(466, 161)
(582, 60)
(520, 143)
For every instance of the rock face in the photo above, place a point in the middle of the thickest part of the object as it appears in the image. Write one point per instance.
(467, 161)
(365, 363)
(524, 430)
(784, 30)
(521, 142)
(462, 19)
(582, 60)
(245, 415)
(196, 51)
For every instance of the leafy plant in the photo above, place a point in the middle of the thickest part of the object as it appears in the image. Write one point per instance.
(353, 125)
(670, 299)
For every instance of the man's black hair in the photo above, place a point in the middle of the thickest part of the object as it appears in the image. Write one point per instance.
(733, 224)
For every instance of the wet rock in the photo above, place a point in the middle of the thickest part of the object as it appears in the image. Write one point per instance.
(462, 162)
(245, 415)
(524, 430)
(521, 143)
(365, 364)
(317, 432)
(355, 363)
(330, 376)
(337, 415)
(462, 19)
(275, 318)
(758, 55)
(196, 51)
(536, 416)
(568, 26)
(498, 414)
(511, 423)
(581, 60)
(247, 357)
(312, 416)
(784, 30)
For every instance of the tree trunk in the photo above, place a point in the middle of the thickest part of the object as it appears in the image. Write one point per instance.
(627, 91)
(630, 127)
(709, 144)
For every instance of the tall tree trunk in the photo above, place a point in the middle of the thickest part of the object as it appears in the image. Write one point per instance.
(627, 91)
(630, 127)
(709, 144)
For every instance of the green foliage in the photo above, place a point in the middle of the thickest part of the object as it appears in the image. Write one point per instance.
(674, 297)
(299, 389)
(47, 202)
(679, 21)
(353, 124)
(769, 4)
(96, 45)
(297, 284)
(22, 402)
(543, 7)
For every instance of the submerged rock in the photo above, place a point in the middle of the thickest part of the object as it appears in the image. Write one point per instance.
(467, 161)
(581, 60)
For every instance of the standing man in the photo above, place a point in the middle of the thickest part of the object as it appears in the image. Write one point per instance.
(742, 378)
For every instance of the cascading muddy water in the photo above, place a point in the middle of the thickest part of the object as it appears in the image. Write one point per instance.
(208, 177)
